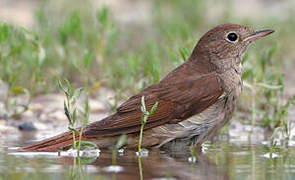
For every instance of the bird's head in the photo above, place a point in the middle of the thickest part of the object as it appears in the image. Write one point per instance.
(225, 45)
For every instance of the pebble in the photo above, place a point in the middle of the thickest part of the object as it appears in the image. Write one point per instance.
(27, 126)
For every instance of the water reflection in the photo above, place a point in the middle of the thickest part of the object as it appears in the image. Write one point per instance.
(156, 166)
(219, 161)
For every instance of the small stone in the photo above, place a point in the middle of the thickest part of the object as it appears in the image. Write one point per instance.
(57, 115)
(28, 114)
(97, 106)
(43, 117)
(36, 107)
(41, 126)
(6, 128)
(26, 126)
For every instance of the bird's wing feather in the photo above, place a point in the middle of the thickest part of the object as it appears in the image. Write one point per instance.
(176, 100)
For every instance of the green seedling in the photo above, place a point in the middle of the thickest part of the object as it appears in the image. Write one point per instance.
(145, 116)
(70, 109)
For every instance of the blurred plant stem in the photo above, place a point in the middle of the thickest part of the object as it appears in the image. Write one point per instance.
(120, 143)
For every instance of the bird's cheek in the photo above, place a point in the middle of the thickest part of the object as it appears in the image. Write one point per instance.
(243, 51)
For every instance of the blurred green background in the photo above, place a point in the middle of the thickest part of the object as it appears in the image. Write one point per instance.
(127, 45)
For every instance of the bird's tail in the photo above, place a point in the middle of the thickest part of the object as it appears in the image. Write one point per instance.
(53, 144)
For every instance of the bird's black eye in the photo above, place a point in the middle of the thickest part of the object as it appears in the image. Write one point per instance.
(232, 37)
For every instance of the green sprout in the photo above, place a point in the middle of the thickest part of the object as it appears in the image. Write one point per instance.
(145, 116)
(70, 109)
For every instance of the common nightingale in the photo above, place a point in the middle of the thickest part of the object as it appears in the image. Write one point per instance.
(195, 100)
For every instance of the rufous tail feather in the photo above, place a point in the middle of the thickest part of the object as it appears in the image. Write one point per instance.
(53, 144)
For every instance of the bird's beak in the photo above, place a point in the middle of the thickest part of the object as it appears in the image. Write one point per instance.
(258, 35)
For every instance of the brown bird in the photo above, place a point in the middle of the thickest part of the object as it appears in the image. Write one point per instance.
(195, 100)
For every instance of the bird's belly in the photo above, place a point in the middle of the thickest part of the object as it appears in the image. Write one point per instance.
(193, 126)
(198, 128)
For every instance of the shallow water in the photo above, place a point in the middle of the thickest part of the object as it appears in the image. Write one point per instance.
(221, 160)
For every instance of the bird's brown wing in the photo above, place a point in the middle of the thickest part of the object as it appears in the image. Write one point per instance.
(176, 100)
